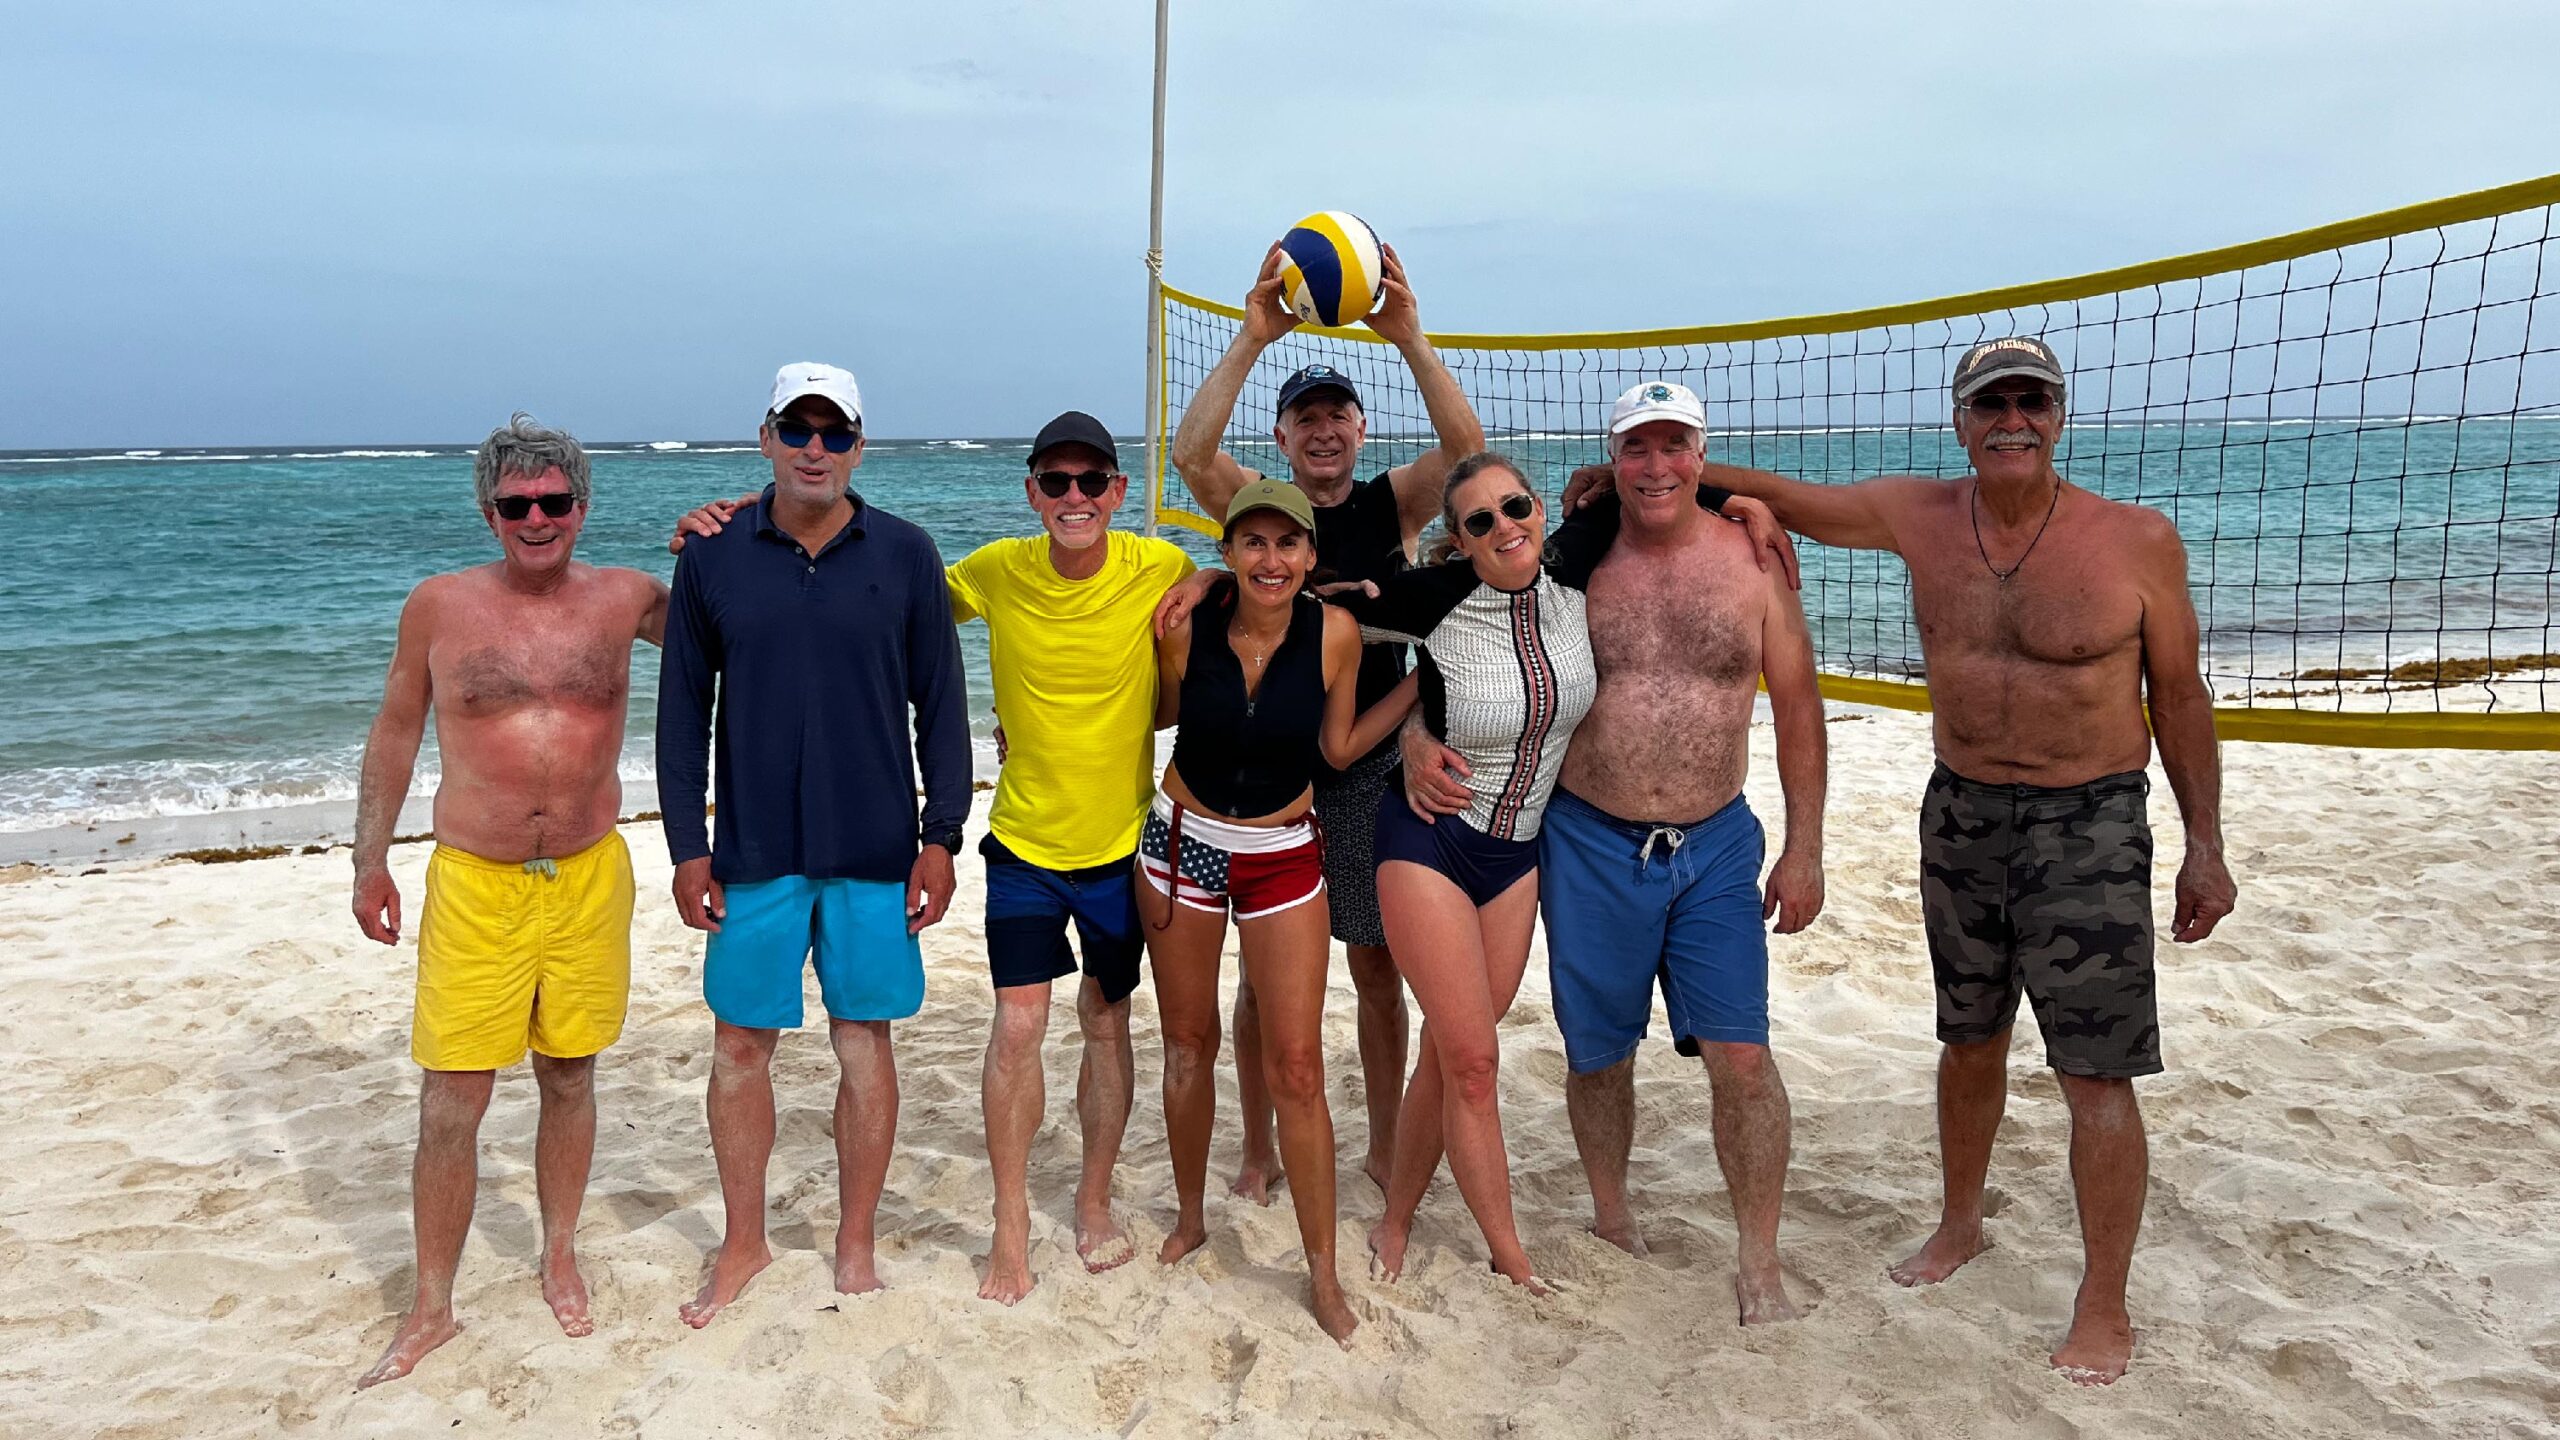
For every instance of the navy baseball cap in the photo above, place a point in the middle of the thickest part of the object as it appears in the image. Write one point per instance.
(1313, 379)
(1076, 428)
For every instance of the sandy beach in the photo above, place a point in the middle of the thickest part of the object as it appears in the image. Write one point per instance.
(204, 1226)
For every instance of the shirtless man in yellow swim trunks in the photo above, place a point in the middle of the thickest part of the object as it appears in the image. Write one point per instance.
(525, 936)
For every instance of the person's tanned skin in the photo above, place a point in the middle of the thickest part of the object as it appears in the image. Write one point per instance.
(2042, 679)
(1684, 626)
(526, 666)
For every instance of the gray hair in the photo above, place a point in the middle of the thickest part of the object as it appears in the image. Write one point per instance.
(523, 446)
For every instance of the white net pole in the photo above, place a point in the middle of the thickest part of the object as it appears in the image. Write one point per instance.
(1153, 410)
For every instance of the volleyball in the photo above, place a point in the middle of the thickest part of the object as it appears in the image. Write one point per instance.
(1330, 273)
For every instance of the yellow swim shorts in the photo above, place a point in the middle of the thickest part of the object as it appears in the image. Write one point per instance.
(512, 953)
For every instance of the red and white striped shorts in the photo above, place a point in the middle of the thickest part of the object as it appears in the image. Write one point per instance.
(1208, 864)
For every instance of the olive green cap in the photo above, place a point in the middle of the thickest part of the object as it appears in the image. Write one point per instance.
(1268, 494)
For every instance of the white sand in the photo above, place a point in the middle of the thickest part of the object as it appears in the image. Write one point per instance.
(2353, 1226)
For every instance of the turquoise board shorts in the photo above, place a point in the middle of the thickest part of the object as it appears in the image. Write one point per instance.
(869, 967)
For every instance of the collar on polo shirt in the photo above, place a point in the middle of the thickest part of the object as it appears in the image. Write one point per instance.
(765, 525)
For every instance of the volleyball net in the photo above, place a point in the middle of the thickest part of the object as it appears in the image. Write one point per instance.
(2356, 428)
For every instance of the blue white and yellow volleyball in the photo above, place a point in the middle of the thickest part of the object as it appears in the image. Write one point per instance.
(1330, 272)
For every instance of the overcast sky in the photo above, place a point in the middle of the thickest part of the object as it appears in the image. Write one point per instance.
(278, 223)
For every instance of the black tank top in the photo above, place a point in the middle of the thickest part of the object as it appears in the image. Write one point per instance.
(1240, 757)
(1363, 539)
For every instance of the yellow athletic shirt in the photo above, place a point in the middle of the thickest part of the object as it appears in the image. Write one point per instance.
(1075, 673)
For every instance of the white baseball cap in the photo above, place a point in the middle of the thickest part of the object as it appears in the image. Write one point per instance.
(1651, 400)
(807, 377)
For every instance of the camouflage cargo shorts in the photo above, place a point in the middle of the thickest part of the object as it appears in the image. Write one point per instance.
(2046, 892)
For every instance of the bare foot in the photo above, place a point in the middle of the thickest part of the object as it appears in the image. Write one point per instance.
(730, 1272)
(1378, 1169)
(1386, 1250)
(1008, 1272)
(1623, 1234)
(1944, 1254)
(1101, 1242)
(419, 1333)
(1526, 1278)
(565, 1291)
(1186, 1237)
(858, 1271)
(1760, 1296)
(2097, 1351)
(1333, 1313)
(1257, 1179)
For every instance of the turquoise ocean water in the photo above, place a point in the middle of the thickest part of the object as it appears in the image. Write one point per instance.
(188, 632)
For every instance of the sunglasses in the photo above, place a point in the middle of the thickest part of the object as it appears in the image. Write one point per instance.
(2030, 402)
(795, 436)
(515, 507)
(1518, 508)
(1054, 483)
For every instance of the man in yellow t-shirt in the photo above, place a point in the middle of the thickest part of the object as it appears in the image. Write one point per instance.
(1069, 624)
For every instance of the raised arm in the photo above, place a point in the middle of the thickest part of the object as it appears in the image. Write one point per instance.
(1795, 889)
(1350, 732)
(2182, 722)
(1851, 517)
(708, 518)
(1211, 474)
(390, 758)
(1419, 483)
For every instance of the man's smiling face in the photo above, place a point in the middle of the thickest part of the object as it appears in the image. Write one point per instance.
(537, 543)
(2005, 441)
(1074, 519)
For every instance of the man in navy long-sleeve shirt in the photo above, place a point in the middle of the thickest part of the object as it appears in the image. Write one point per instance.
(821, 623)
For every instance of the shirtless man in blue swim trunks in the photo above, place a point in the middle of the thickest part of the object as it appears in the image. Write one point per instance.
(1650, 858)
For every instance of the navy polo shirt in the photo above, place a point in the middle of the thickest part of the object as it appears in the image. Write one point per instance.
(817, 662)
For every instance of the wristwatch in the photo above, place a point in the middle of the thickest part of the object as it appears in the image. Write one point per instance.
(948, 838)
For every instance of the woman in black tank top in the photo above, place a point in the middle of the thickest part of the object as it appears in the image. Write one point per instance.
(1264, 681)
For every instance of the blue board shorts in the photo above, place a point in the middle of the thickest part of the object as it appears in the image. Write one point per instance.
(1628, 905)
(1030, 906)
(869, 967)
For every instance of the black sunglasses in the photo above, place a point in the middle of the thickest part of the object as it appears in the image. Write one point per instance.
(554, 503)
(795, 436)
(1517, 507)
(1054, 483)
(2029, 402)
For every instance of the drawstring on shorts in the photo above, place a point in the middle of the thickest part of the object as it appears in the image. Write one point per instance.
(1172, 864)
(1673, 834)
(547, 868)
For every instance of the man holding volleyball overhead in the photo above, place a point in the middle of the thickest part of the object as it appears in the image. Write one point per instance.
(1365, 530)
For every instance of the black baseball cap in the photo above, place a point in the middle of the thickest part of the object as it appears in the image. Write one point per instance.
(2011, 357)
(1076, 428)
(1312, 379)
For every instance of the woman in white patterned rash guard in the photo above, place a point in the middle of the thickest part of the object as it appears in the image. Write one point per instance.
(1506, 674)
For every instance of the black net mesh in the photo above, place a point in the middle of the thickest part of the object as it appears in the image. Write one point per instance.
(2361, 446)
